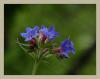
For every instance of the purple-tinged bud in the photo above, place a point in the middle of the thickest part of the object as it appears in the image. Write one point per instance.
(43, 38)
(32, 43)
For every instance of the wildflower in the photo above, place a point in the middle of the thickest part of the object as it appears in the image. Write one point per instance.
(65, 48)
(30, 33)
(38, 51)
(48, 34)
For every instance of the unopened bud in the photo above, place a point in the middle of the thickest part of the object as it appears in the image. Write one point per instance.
(42, 37)
(32, 43)
(57, 50)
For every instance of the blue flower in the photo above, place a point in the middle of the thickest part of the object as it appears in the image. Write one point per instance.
(67, 47)
(30, 33)
(49, 34)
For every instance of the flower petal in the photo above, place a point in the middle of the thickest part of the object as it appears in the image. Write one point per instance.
(66, 43)
(63, 44)
(52, 28)
(67, 47)
(36, 28)
(44, 29)
(28, 29)
(57, 34)
(65, 55)
(24, 35)
(28, 39)
(34, 31)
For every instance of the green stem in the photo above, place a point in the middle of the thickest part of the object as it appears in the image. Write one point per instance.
(36, 61)
(36, 56)
(35, 66)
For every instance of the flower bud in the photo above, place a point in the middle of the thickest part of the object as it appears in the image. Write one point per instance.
(32, 43)
(42, 37)
(56, 50)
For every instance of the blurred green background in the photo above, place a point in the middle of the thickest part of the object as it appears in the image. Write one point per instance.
(76, 20)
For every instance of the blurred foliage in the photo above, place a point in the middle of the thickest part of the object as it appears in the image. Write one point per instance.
(76, 20)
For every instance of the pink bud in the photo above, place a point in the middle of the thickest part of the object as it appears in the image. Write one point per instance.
(42, 37)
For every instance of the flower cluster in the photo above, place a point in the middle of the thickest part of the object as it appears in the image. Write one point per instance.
(39, 37)
(40, 45)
